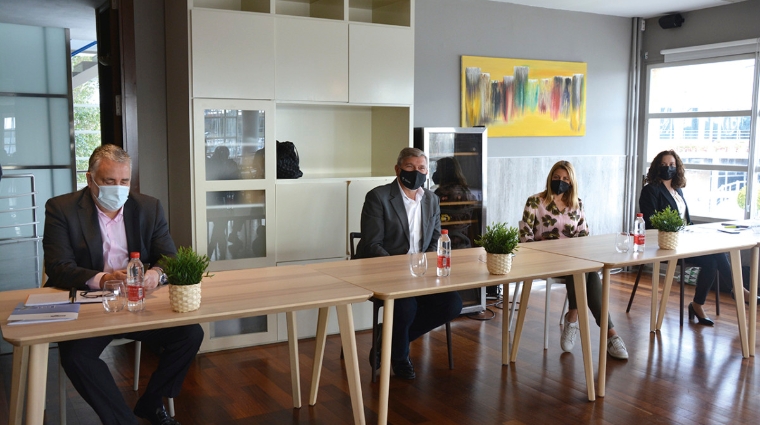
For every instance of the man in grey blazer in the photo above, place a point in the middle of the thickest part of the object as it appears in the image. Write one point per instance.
(88, 237)
(402, 218)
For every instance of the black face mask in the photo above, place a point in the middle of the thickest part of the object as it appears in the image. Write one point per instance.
(666, 172)
(559, 187)
(412, 179)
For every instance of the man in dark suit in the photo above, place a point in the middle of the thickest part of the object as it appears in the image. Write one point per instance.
(403, 218)
(88, 237)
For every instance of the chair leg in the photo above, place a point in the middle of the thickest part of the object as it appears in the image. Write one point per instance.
(513, 307)
(448, 342)
(547, 306)
(717, 293)
(375, 320)
(683, 285)
(138, 352)
(635, 286)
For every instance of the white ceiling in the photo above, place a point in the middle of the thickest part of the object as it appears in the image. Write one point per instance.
(624, 8)
(79, 15)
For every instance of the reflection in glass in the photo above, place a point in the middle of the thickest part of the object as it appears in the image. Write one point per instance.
(715, 193)
(246, 325)
(706, 140)
(236, 224)
(234, 144)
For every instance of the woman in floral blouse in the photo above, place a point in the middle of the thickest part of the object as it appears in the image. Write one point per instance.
(557, 213)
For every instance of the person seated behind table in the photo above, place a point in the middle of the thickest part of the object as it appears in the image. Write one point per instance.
(88, 237)
(557, 213)
(452, 188)
(664, 180)
(403, 218)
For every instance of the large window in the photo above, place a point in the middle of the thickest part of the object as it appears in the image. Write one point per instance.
(704, 111)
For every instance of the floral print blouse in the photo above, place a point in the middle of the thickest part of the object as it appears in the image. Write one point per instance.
(542, 221)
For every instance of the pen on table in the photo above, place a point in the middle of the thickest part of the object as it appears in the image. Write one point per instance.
(735, 226)
(72, 295)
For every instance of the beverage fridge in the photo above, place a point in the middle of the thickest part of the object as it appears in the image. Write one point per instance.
(457, 174)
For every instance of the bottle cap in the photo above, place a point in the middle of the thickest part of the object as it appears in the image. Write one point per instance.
(134, 255)
(640, 215)
(445, 232)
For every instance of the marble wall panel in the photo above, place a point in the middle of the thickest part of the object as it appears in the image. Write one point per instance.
(601, 180)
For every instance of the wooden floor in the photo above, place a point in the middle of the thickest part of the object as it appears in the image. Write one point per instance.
(683, 375)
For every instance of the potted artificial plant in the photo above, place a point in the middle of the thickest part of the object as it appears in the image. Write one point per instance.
(184, 272)
(668, 223)
(500, 243)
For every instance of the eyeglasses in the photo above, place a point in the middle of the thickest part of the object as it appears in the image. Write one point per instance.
(92, 294)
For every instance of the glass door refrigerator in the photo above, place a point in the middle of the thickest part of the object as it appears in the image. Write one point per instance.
(457, 174)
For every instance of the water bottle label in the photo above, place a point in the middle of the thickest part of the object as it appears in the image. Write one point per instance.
(134, 292)
(444, 261)
(639, 239)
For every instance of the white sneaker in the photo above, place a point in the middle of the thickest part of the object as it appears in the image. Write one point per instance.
(616, 348)
(569, 333)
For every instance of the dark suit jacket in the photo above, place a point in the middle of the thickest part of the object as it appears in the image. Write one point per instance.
(74, 247)
(385, 227)
(655, 197)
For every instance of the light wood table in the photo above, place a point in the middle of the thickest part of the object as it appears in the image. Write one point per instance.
(602, 248)
(389, 278)
(227, 295)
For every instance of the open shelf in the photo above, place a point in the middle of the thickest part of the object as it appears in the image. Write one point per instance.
(388, 12)
(325, 9)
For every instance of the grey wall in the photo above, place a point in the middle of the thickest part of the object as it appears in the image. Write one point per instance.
(151, 99)
(447, 29)
(517, 167)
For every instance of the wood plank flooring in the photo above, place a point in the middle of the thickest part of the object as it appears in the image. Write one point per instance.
(682, 375)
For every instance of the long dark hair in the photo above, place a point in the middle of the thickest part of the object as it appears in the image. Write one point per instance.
(653, 176)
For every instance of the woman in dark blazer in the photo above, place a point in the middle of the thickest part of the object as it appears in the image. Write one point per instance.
(664, 182)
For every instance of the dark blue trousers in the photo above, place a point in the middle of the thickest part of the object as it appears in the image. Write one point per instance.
(416, 316)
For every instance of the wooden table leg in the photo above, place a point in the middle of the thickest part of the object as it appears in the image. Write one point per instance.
(385, 362)
(295, 373)
(665, 290)
(603, 329)
(753, 296)
(319, 354)
(736, 271)
(37, 384)
(18, 383)
(655, 292)
(348, 341)
(524, 299)
(579, 281)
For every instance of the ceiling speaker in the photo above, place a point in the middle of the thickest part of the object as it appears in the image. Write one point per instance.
(674, 20)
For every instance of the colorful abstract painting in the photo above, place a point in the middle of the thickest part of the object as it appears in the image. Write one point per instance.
(520, 97)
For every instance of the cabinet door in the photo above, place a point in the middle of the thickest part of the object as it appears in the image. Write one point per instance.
(381, 64)
(312, 59)
(232, 55)
(311, 220)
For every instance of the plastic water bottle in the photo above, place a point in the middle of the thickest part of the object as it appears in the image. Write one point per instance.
(639, 233)
(444, 254)
(135, 290)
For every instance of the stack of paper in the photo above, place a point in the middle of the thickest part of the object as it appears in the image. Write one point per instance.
(24, 314)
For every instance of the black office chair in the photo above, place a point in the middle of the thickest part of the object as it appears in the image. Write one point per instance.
(682, 266)
(377, 303)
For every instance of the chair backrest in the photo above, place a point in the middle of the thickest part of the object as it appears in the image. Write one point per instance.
(353, 237)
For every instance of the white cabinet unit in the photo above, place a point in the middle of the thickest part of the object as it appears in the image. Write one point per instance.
(381, 64)
(233, 55)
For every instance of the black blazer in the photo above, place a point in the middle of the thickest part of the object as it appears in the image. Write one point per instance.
(655, 197)
(385, 227)
(73, 245)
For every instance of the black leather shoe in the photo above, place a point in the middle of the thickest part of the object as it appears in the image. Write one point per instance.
(701, 320)
(403, 369)
(159, 417)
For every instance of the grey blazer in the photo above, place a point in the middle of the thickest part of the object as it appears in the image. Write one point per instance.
(73, 245)
(385, 227)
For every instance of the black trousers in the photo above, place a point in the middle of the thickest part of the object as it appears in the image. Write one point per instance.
(92, 378)
(708, 264)
(416, 316)
(593, 296)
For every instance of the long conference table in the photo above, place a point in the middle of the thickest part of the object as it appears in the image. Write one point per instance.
(692, 243)
(227, 295)
(389, 279)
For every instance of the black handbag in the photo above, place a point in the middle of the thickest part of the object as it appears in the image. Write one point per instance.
(287, 161)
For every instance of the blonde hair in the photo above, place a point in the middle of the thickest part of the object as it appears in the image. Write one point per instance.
(570, 198)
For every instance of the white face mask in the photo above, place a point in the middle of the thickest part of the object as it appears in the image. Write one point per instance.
(112, 197)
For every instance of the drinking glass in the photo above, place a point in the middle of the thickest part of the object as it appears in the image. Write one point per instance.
(623, 241)
(114, 296)
(418, 263)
